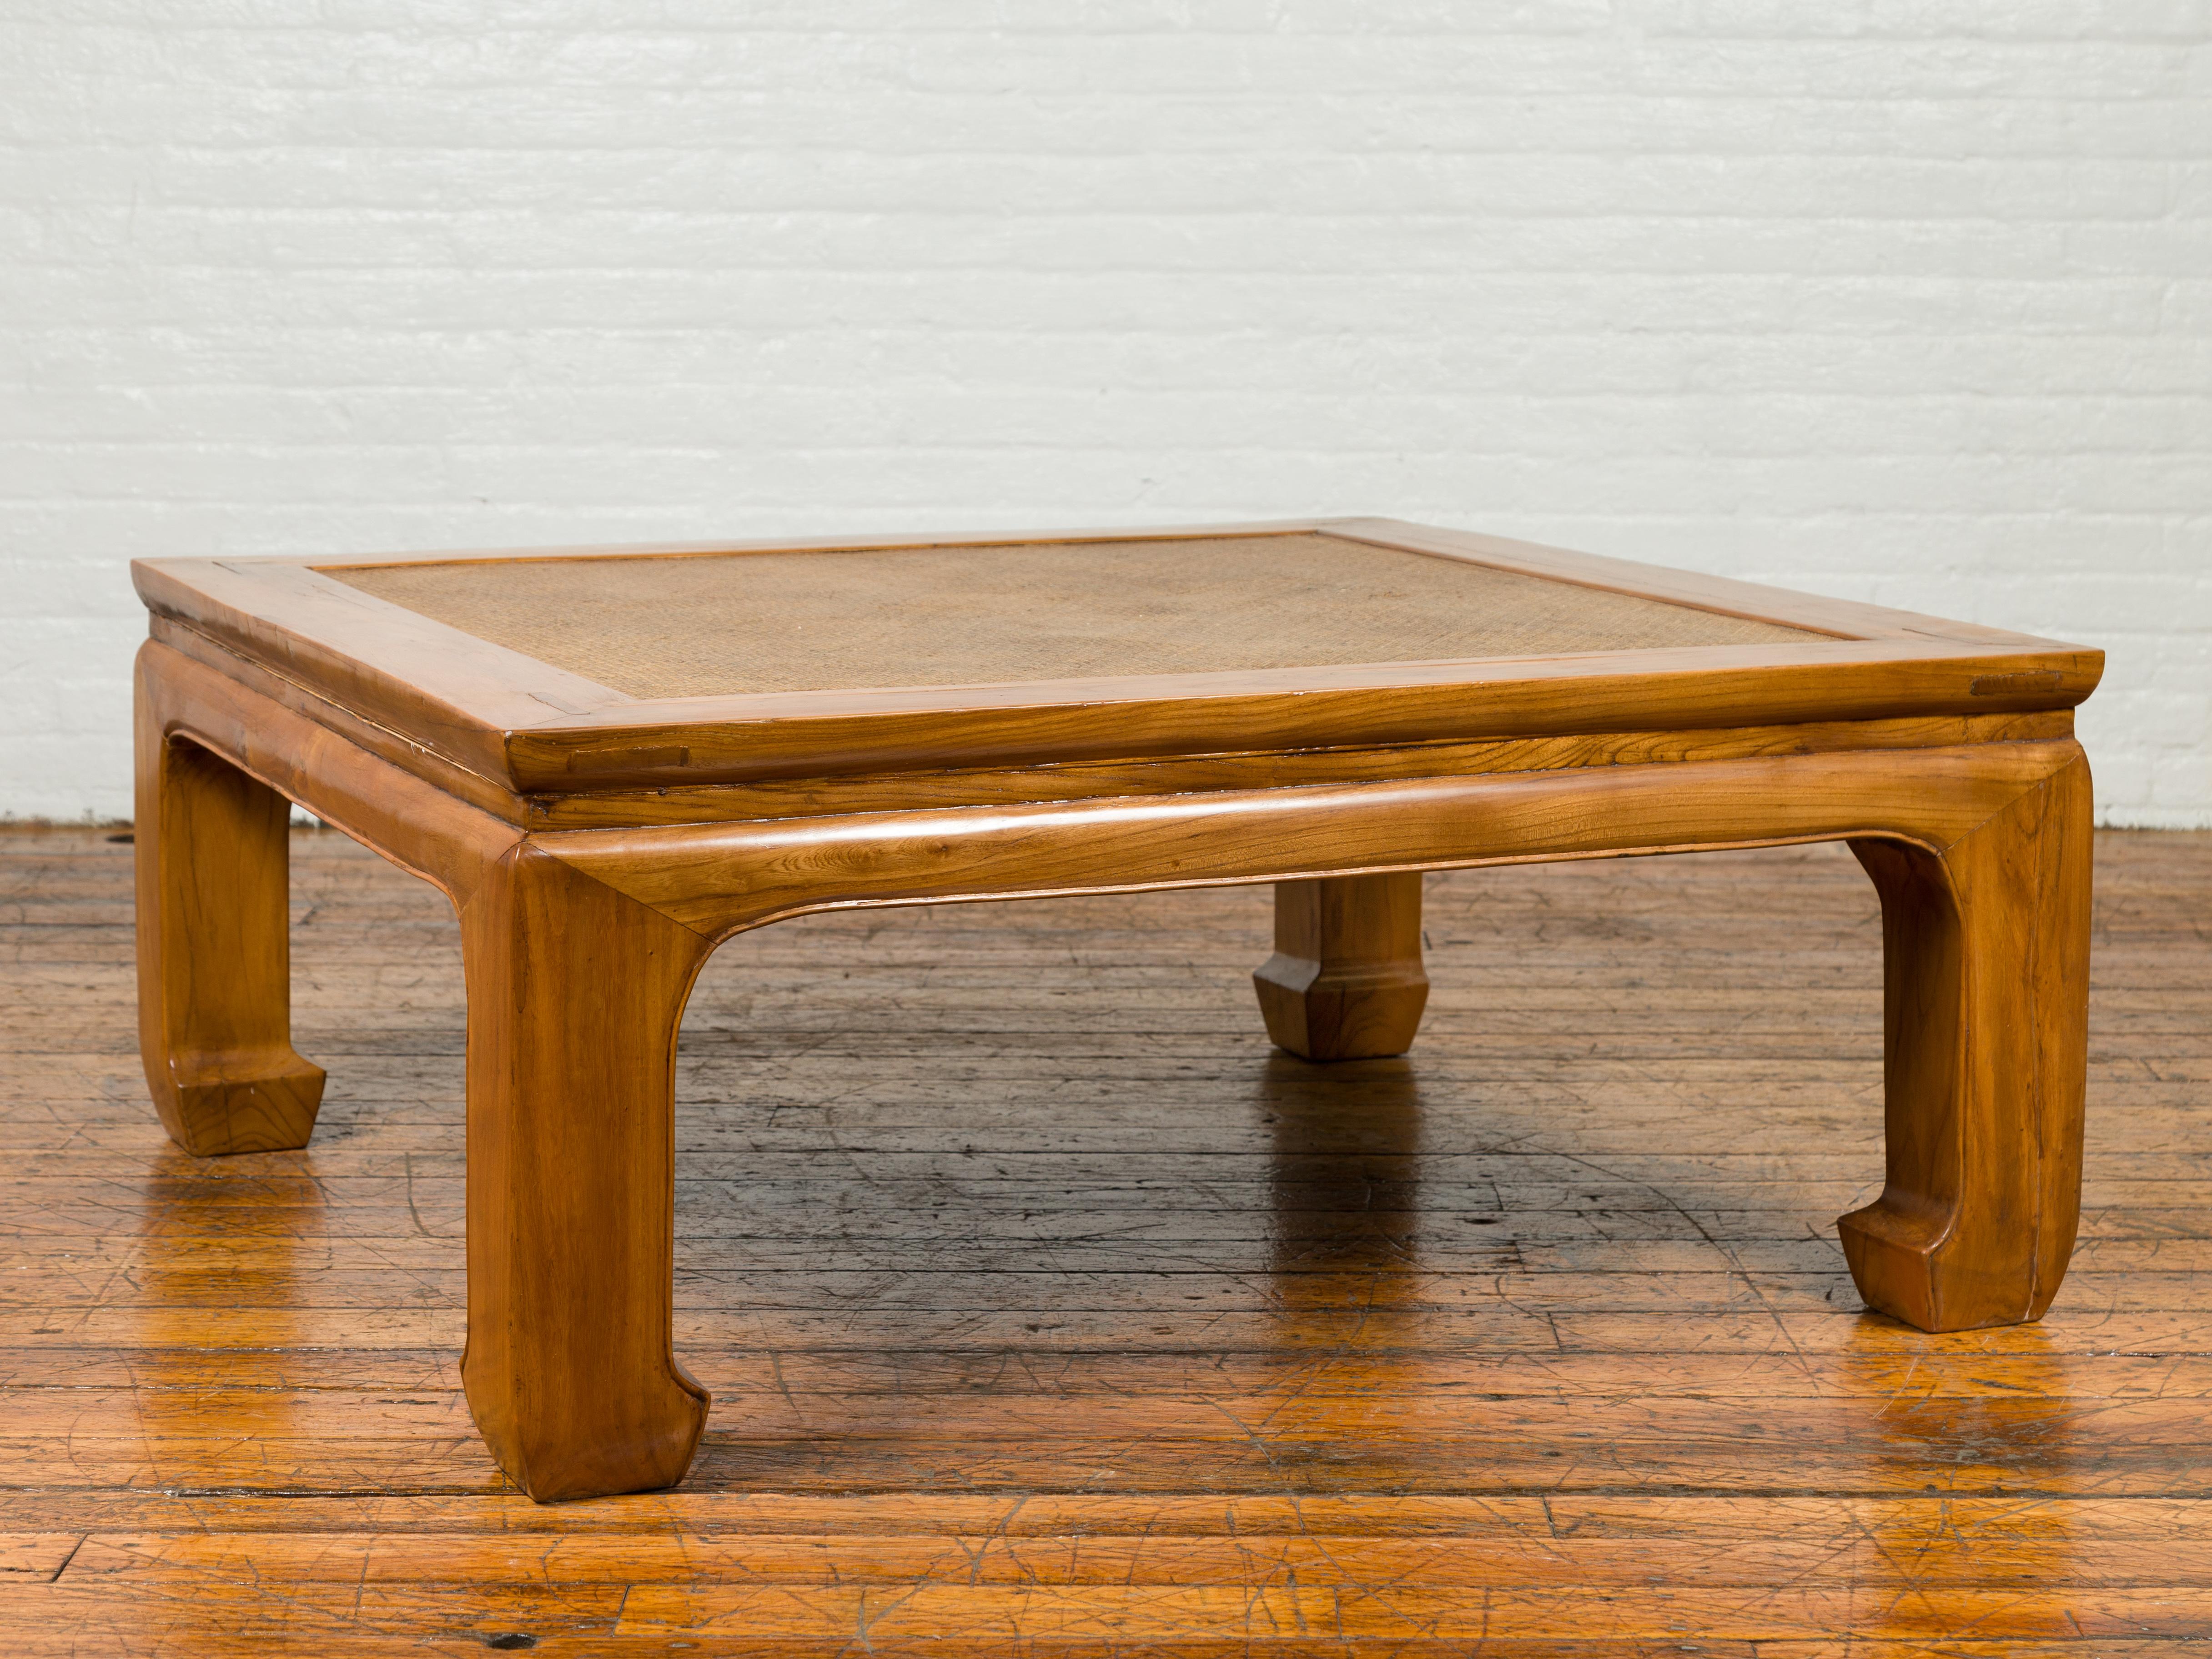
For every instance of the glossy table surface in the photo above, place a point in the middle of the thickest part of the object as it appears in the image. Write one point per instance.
(629, 673)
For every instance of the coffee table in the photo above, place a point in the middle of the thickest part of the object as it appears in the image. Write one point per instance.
(612, 759)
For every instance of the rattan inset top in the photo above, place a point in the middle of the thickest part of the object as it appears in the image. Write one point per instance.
(718, 624)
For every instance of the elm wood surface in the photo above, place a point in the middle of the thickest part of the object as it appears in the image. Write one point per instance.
(215, 998)
(1346, 981)
(505, 728)
(1943, 750)
(1045, 1310)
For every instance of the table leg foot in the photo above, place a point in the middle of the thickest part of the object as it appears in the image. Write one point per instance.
(1985, 974)
(214, 860)
(575, 992)
(1346, 981)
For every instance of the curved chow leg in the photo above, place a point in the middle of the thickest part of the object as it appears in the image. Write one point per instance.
(1985, 948)
(214, 1015)
(1346, 981)
(575, 992)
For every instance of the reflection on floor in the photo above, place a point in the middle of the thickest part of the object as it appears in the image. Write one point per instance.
(1048, 1311)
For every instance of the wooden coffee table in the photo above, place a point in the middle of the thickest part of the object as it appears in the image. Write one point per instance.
(611, 761)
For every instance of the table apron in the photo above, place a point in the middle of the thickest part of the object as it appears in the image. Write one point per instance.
(721, 878)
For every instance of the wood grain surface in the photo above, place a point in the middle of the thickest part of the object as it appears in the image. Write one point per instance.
(1047, 1311)
(456, 704)
(1345, 980)
(582, 944)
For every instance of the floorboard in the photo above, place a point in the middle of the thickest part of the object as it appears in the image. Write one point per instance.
(1047, 1312)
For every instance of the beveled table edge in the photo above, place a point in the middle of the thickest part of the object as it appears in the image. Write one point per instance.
(526, 728)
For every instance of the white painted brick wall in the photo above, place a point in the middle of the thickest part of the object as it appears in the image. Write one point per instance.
(1902, 299)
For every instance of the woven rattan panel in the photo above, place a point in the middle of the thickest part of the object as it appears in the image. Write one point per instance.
(719, 624)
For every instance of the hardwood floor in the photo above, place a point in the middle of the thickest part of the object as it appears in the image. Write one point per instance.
(1047, 1312)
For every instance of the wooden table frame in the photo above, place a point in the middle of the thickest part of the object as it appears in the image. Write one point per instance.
(597, 848)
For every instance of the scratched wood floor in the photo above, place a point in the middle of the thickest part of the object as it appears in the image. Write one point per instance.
(1047, 1313)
